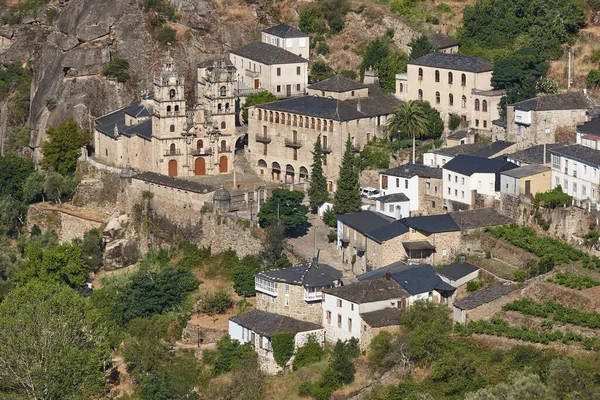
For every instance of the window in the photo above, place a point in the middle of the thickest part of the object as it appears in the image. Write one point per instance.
(484, 106)
(401, 87)
(420, 74)
(463, 80)
(391, 208)
(339, 321)
(381, 206)
(437, 75)
(476, 122)
(451, 99)
(449, 178)
(302, 42)
(278, 71)
(444, 252)
(433, 204)
(456, 192)
(476, 104)
(176, 108)
(583, 191)
(397, 182)
(455, 178)
(172, 93)
(168, 108)
(406, 184)
(286, 301)
(339, 303)
(278, 88)
(223, 91)
(478, 185)
(448, 190)
(223, 125)
(352, 93)
(420, 94)
(450, 78)
(298, 87)
(384, 181)
(298, 70)
(575, 188)
(462, 181)
(555, 162)
(328, 317)
(349, 324)
(557, 182)
(172, 128)
(485, 124)
(287, 290)
(437, 98)
(464, 102)
(351, 306)
(462, 194)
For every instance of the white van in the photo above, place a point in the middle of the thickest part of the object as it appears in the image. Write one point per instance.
(369, 192)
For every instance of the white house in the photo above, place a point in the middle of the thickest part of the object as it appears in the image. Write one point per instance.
(288, 38)
(588, 134)
(575, 168)
(437, 158)
(258, 328)
(395, 205)
(459, 273)
(412, 180)
(466, 174)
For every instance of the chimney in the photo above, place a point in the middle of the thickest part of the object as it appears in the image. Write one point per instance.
(388, 276)
(444, 30)
(461, 258)
(358, 105)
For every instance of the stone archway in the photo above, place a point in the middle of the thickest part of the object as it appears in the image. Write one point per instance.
(173, 168)
(200, 166)
(223, 164)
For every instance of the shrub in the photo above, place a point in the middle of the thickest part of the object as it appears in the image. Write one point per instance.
(348, 73)
(193, 257)
(322, 48)
(472, 286)
(379, 348)
(243, 276)
(308, 354)
(216, 303)
(305, 389)
(332, 236)
(118, 69)
(573, 281)
(165, 34)
(552, 198)
(454, 122)
(329, 218)
(558, 312)
(283, 347)
(228, 352)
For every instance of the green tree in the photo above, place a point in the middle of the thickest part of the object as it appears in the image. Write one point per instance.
(53, 345)
(165, 34)
(380, 55)
(317, 191)
(118, 68)
(229, 352)
(379, 348)
(12, 215)
(63, 264)
(433, 121)
(420, 46)
(592, 79)
(17, 138)
(33, 188)
(9, 264)
(429, 330)
(320, 71)
(91, 248)
(14, 170)
(243, 276)
(347, 195)
(410, 117)
(521, 386)
(341, 370)
(216, 303)
(310, 353)
(63, 148)
(283, 347)
(311, 19)
(284, 206)
(510, 71)
(256, 99)
(271, 255)
(57, 187)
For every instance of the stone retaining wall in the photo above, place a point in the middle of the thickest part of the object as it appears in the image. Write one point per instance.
(66, 226)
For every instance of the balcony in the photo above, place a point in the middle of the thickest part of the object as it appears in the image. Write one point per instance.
(345, 239)
(263, 139)
(251, 74)
(226, 149)
(360, 247)
(201, 152)
(313, 296)
(172, 153)
(326, 149)
(293, 143)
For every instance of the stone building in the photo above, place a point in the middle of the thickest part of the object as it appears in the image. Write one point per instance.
(453, 84)
(483, 303)
(538, 120)
(160, 134)
(296, 291)
(281, 135)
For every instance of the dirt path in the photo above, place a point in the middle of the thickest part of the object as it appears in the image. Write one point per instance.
(66, 208)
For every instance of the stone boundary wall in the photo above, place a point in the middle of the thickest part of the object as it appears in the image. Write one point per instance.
(66, 225)
(488, 310)
(97, 164)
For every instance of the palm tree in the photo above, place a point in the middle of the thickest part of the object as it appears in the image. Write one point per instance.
(410, 118)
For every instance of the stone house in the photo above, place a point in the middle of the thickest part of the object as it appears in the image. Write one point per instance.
(345, 306)
(437, 158)
(421, 184)
(483, 303)
(526, 181)
(258, 328)
(296, 291)
(444, 43)
(465, 176)
(281, 135)
(575, 168)
(160, 134)
(537, 121)
(453, 84)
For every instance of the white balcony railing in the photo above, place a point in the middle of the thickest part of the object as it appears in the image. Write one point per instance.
(265, 286)
(312, 296)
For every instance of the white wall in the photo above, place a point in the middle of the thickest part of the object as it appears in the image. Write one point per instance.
(348, 310)
(235, 331)
(404, 211)
(461, 281)
(435, 160)
(588, 177)
(459, 315)
(408, 186)
(456, 187)
(509, 185)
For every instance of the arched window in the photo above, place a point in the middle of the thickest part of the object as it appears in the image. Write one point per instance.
(324, 124)
(176, 108)
(172, 128)
(401, 87)
(172, 149)
(420, 94)
(199, 145)
(451, 99)
(437, 98)
(223, 146)
(259, 114)
(464, 101)
(295, 120)
(223, 125)
(276, 117)
(450, 78)
(219, 107)
(223, 91)
(463, 80)
(484, 106)
(420, 73)
(168, 108)
(437, 75)
(227, 106)
(476, 104)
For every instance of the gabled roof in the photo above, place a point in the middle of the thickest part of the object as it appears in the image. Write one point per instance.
(409, 170)
(469, 165)
(381, 318)
(590, 127)
(527, 170)
(175, 183)
(106, 123)
(453, 62)
(441, 41)
(484, 296)
(484, 150)
(535, 154)
(304, 274)
(457, 270)
(432, 223)
(580, 153)
(337, 84)
(387, 232)
(458, 135)
(269, 324)
(369, 291)
(393, 198)
(415, 279)
(267, 54)
(562, 101)
(285, 31)
(364, 221)
(479, 218)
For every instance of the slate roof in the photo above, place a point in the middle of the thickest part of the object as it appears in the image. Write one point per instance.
(393, 198)
(106, 123)
(484, 296)
(285, 31)
(267, 54)
(212, 63)
(469, 165)
(479, 218)
(415, 279)
(269, 324)
(381, 318)
(364, 221)
(484, 150)
(432, 223)
(580, 153)
(337, 84)
(369, 291)
(457, 270)
(458, 135)
(387, 232)
(562, 101)
(409, 170)
(304, 274)
(442, 41)
(535, 154)
(453, 62)
(175, 183)
(590, 127)
(527, 170)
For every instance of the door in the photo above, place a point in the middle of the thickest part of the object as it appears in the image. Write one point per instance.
(200, 166)
(288, 90)
(172, 168)
(527, 187)
(223, 164)
(256, 84)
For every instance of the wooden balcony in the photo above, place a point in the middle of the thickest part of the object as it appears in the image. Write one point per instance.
(263, 139)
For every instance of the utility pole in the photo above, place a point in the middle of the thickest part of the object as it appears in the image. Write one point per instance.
(315, 244)
(569, 77)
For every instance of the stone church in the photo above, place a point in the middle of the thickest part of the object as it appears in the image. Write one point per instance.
(160, 133)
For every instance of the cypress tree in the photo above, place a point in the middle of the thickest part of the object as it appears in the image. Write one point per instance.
(347, 194)
(317, 191)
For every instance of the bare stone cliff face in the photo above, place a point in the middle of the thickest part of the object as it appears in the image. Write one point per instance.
(69, 54)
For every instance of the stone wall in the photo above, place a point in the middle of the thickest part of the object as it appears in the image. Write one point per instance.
(474, 240)
(430, 199)
(66, 225)
(367, 334)
(488, 310)
(297, 307)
